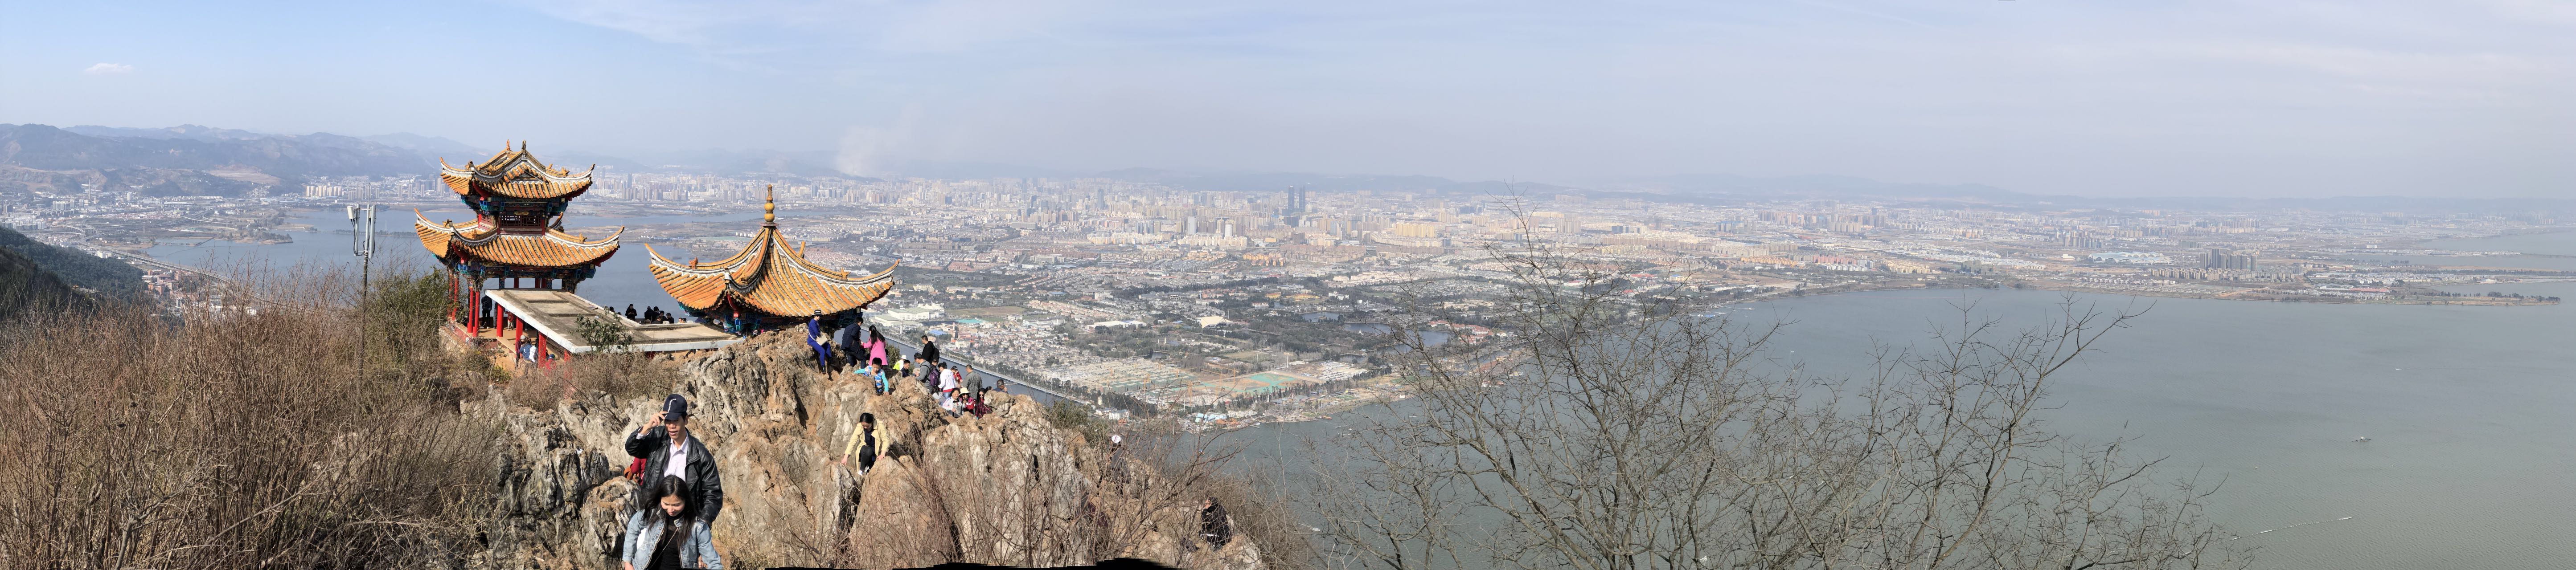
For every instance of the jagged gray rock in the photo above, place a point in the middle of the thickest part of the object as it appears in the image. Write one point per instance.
(1008, 488)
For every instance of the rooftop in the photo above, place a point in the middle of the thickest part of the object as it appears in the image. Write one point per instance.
(558, 316)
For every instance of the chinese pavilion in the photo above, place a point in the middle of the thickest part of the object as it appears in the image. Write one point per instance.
(768, 285)
(516, 240)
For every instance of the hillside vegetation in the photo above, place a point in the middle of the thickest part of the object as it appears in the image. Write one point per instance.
(242, 441)
(238, 441)
(113, 278)
(27, 288)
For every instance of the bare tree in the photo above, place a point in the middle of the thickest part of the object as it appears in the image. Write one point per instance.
(1613, 432)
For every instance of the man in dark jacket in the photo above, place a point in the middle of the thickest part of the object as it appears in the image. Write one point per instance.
(696, 465)
(818, 342)
(1212, 524)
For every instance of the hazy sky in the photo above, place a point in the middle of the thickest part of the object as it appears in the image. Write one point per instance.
(2262, 98)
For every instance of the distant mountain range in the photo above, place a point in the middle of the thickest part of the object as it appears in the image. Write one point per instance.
(189, 160)
(712, 160)
(195, 160)
(190, 132)
(201, 160)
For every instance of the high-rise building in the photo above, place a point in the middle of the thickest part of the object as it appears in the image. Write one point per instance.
(2223, 259)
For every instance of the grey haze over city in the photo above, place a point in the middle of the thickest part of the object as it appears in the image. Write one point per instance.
(2196, 98)
(1265, 285)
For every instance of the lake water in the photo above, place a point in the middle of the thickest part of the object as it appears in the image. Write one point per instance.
(621, 281)
(2468, 407)
(2553, 243)
(2494, 261)
(2542, 247)
(2469, 464)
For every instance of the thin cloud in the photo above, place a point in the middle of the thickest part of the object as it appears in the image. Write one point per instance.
(1869, 13)
(2199, 96)
(108, 69)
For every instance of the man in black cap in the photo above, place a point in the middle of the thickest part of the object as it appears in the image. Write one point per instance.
(669, 449)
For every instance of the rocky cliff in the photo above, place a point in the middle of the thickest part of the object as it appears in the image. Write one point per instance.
(1008, 488)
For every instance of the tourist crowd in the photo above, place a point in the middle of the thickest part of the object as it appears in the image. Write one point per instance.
(866, 352)
(679, 491)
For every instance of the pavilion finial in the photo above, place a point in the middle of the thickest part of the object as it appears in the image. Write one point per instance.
(769, 207)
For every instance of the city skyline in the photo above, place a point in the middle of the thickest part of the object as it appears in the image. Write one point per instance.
(2193, 99)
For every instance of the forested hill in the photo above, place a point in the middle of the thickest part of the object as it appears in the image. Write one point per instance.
(26, 287)
(111, 278)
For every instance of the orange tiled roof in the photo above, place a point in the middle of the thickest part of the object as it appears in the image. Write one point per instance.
(481, 240)
(770, 275)
(514, 173)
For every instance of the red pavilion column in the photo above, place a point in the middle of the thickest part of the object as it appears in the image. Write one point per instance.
(474, 308)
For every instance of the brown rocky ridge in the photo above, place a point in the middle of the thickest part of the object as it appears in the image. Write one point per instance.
(1007, 489)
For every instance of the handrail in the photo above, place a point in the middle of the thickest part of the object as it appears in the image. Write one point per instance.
(947, 355)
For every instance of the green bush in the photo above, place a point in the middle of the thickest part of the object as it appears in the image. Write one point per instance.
(1065, 414)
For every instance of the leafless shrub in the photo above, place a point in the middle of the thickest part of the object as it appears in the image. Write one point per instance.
(1071, 415)
(1261, 503)
(1151, 485)
(537, 389)
(1608, 433)
(238, 440)
(621, 376)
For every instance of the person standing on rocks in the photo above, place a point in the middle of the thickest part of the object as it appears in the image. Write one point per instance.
(947, 383)
(669, 449)
(850, 347)
(867, 444)
(930, 372)
(665, 536)
(929, 348)
(877, 348)
(1212, 524)
(821, 345)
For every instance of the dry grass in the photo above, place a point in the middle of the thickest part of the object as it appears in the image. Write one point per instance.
(233, 440)
(621, 376)
(1262, 513)
(1155, 483)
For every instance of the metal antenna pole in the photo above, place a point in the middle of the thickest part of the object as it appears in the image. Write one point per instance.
(362, 241)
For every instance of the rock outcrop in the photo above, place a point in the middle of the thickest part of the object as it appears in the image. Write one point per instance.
(1007, 488)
